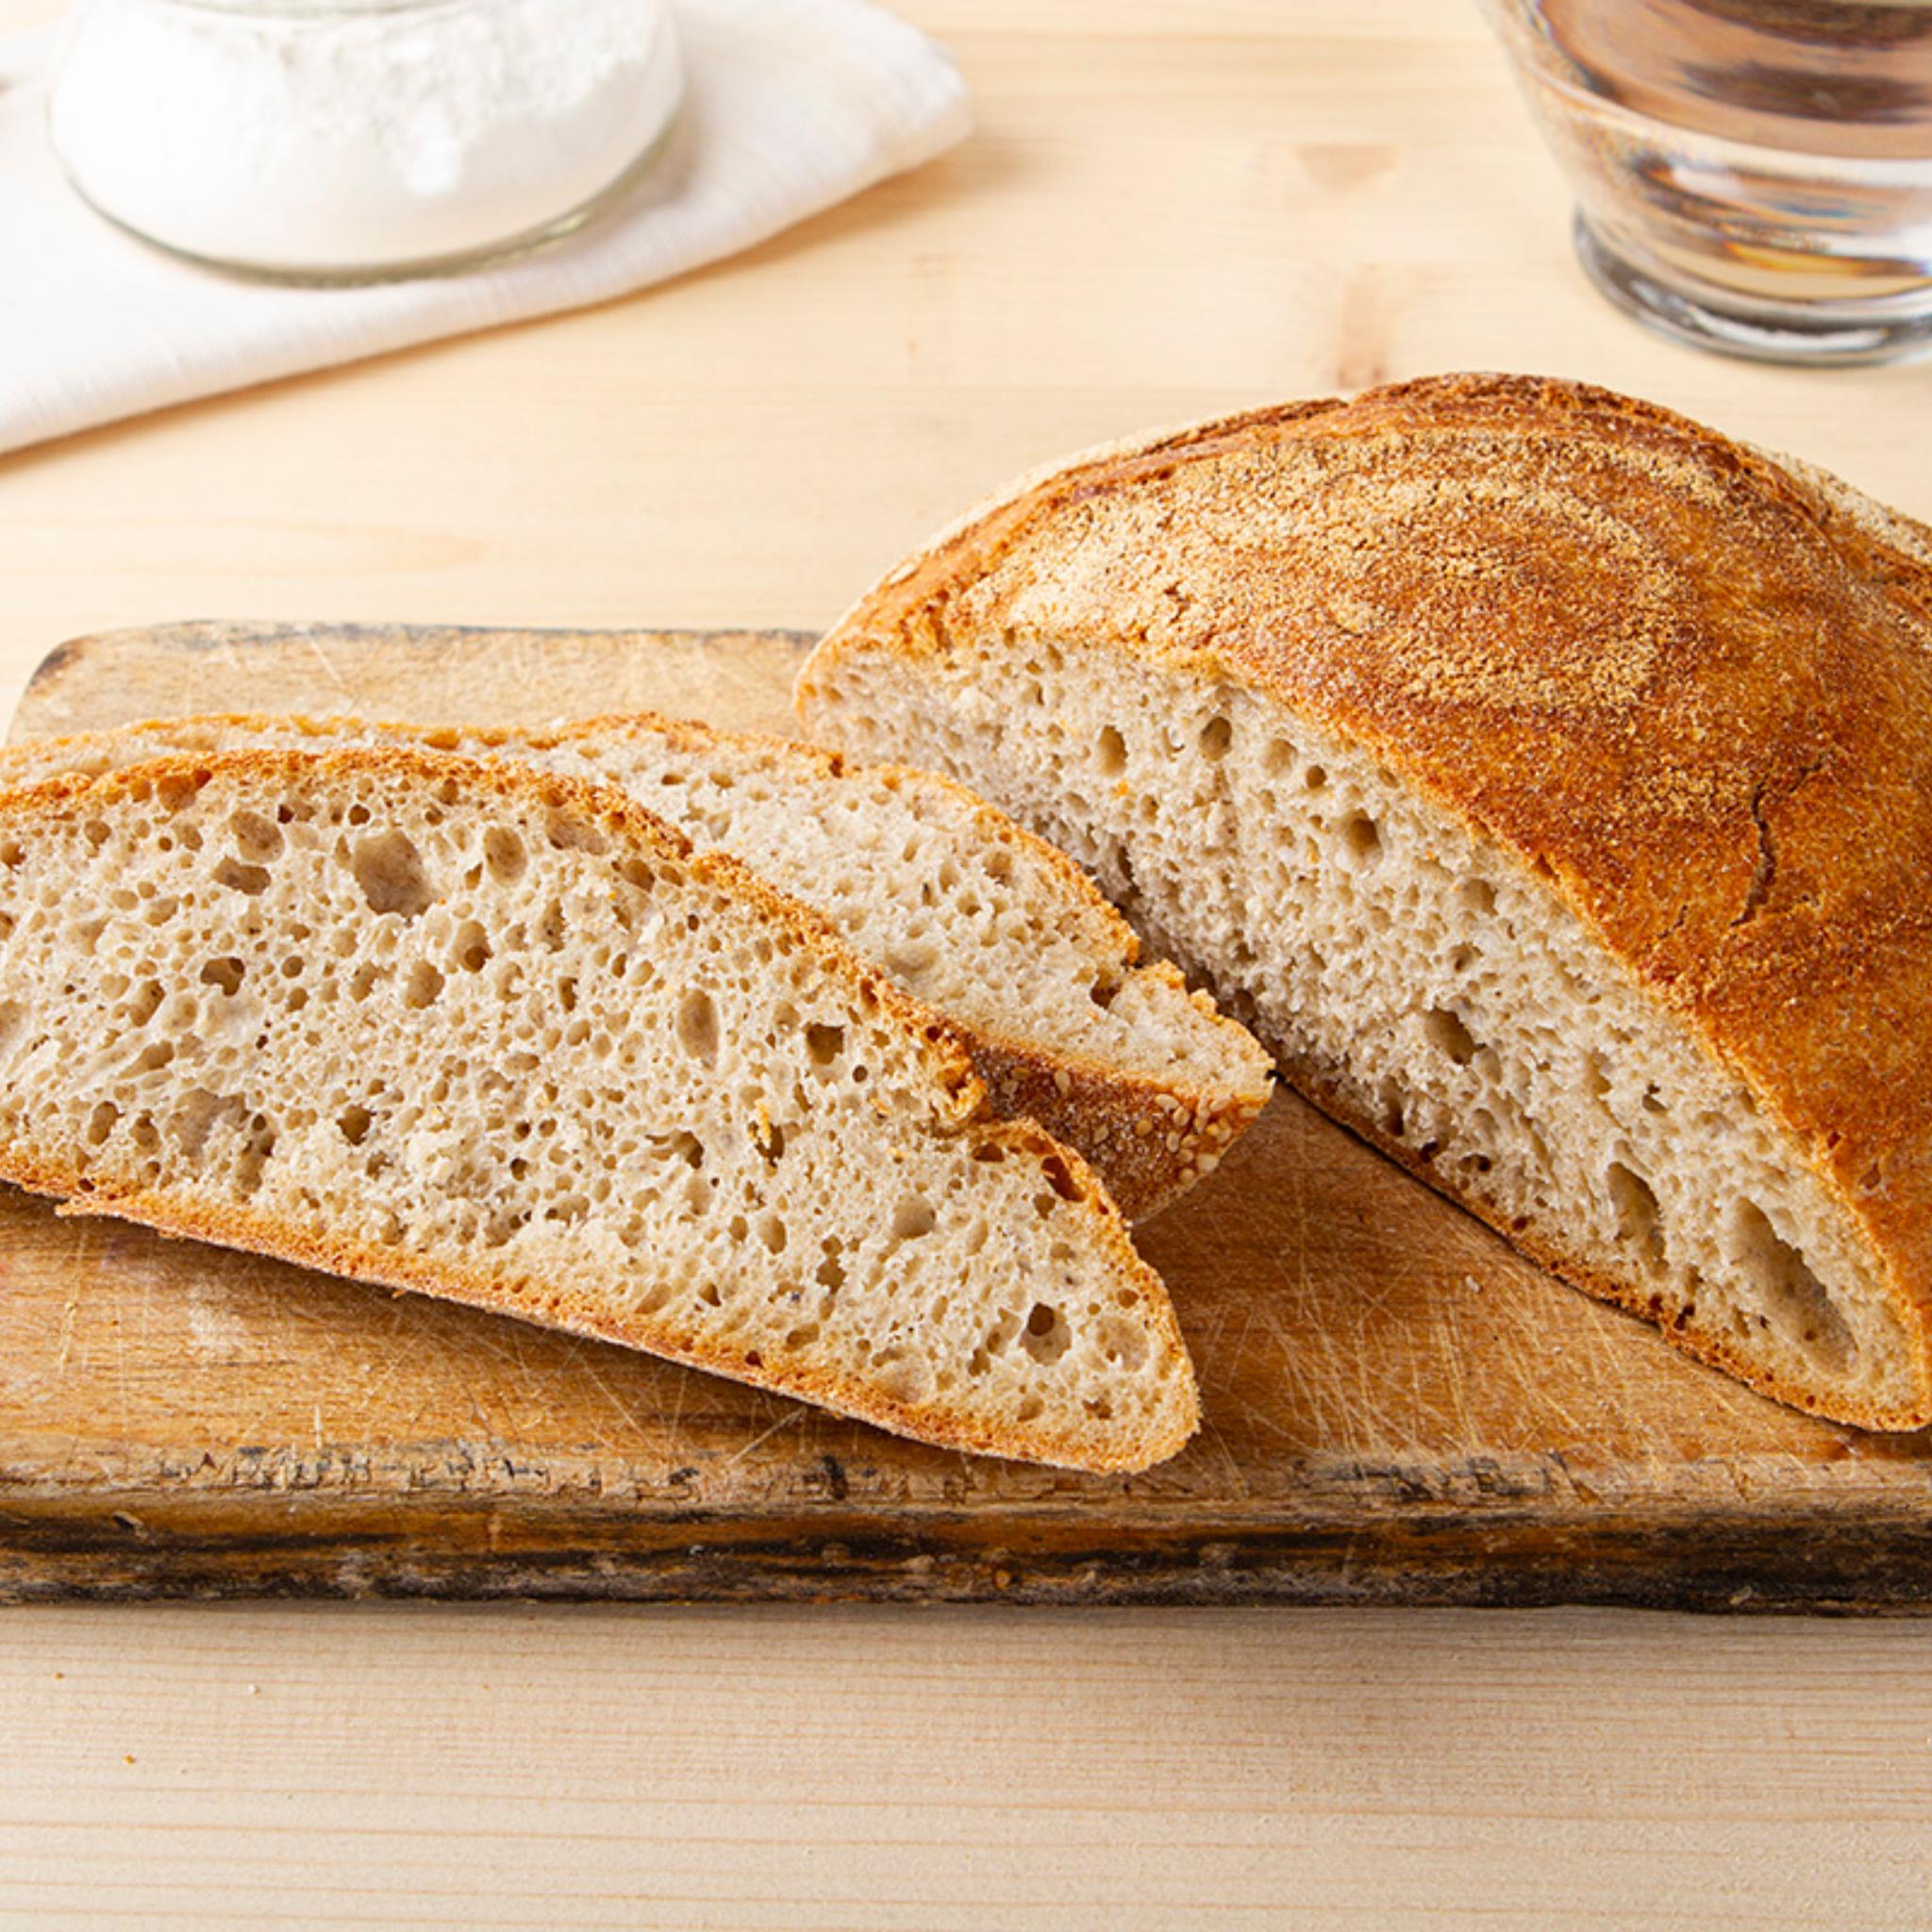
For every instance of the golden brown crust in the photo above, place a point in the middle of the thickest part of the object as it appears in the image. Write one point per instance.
(1689, 688)
(959, 1108)
(1150, 1140)
(1183, 1127)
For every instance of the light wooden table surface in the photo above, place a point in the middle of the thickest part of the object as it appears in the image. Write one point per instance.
(1167, 210)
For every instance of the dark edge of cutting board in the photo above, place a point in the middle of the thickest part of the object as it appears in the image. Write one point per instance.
(1354, 1534)
(106, 1547)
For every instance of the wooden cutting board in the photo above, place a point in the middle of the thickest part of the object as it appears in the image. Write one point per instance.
(1397, 1408)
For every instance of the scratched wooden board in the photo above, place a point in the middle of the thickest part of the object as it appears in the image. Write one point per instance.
(1397, 1408)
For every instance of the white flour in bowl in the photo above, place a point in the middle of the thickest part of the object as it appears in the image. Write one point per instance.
(344, 137)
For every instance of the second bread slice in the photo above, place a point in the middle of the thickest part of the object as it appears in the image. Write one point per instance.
(969, 912)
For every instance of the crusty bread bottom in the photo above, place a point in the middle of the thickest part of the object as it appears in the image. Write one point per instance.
(1425, 987)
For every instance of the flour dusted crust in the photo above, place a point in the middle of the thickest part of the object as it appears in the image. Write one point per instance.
(1687, 688)
(928, 1108)
(1153, 1092)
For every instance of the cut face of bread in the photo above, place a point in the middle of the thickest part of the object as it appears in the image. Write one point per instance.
(501, 1037)
(971, 915)
(1547, 781)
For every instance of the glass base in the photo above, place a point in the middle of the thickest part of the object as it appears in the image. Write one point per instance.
(1818, 335)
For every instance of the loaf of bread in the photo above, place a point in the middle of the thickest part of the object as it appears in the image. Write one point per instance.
(498, 1034)
(1549, 781)
(950, 899)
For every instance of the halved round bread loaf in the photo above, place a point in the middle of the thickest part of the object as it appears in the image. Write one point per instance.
(1549, 781)
(502, 1036)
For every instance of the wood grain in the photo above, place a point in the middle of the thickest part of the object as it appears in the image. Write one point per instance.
(1397, 1408)
(861, 1770)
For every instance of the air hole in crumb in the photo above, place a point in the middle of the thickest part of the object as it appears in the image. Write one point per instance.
(1640, 1221)
(504, 854)
(1047, 1338)
(1279, 757)
(258, 839)
(571, 835)
(422, 987)
(1059, 1177)
(904, 1376)
(240, 878)
(390, 871)
(255, 1154)
(697, 1027)
(1216, 736)
(470, 948)
(913, 1218)
(1361, 839)
(772, 1232)
(1476, 895)
(1124, 1343)
(1446, 1033)
(1103, 993)
(824, 1044)
(1113, 753)
(196, 1118)
(100, 1122)
(226, 973)
(1314, 777)
(354, 1122)
(1798, 1304)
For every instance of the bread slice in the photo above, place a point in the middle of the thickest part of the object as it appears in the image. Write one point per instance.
(950, 899)
(1547, 778)
(502, 1036)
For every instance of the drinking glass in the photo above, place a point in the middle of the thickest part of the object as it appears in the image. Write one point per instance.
(1751, 175)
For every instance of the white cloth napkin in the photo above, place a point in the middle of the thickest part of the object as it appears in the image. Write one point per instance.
(791, 105)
